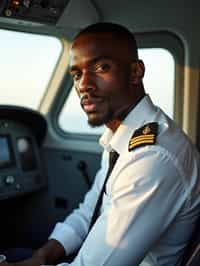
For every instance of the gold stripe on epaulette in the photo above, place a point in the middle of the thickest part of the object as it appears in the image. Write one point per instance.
(140, 142)
(142, 137)
(136, 140)
(143, 140)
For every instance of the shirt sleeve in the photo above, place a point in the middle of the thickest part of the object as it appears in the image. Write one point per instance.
(145, 197)
(74, 229)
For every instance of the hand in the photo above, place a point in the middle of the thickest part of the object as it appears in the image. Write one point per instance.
(5, 263)
(34, 261)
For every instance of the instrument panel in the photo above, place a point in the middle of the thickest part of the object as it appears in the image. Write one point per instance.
(21, 168)
(43, 11)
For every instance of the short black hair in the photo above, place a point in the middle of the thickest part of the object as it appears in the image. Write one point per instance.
(118, 31)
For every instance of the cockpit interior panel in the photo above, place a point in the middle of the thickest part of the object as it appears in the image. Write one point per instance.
(21, 169)
(43, 11)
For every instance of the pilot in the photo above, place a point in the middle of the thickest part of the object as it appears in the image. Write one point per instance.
(144, 210)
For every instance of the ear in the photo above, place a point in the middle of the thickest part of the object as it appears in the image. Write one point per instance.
(137, 72)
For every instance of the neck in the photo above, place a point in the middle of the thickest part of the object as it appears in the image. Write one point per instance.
(113, 125)
(121, 115)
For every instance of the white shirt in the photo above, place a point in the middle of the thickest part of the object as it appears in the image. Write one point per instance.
(151, 202)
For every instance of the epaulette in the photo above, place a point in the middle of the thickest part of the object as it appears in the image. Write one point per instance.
(145, 135)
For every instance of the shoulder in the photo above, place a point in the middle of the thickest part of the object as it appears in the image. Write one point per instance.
(145, 135)
(163, 147)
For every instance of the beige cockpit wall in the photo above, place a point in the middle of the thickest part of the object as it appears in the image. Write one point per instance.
(175, 26)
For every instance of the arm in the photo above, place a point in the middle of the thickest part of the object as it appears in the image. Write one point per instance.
(144, 198)
(50, 253)
(74, 229)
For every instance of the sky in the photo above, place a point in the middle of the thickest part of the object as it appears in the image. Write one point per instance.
(26, 64)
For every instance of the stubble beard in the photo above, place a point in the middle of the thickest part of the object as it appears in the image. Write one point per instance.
(95, 121)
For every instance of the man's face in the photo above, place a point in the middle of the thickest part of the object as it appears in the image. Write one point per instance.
(101, 71)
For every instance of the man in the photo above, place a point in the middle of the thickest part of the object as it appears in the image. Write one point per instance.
(151, 197)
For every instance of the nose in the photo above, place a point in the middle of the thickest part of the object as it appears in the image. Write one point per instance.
(86, 83)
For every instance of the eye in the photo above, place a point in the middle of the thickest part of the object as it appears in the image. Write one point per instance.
(104, 67)
(76, 75)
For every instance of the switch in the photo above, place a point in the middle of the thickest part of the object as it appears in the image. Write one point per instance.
(9, 180)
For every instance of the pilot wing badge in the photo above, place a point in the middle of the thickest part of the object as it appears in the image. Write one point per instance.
(143, 136)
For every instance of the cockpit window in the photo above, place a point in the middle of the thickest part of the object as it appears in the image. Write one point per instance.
(27, 62)
(159, 82)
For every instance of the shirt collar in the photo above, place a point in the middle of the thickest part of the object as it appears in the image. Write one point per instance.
(142, 113)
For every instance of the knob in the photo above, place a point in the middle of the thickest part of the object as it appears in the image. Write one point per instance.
(9, 180)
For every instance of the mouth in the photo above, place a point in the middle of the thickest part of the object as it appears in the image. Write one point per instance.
(90, 103)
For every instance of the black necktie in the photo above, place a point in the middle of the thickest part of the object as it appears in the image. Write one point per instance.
(113, 156)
